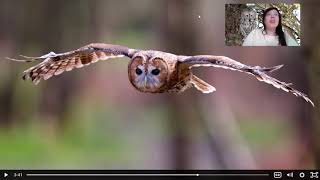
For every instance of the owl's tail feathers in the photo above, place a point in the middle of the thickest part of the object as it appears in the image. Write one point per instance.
(201, 85)
(260, 74)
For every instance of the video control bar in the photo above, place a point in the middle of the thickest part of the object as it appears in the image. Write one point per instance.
(194, 174)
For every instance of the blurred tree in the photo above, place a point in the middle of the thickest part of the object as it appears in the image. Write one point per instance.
(67, 30)
(311, 44)
(9, 41)
(232, 18)
(64, 25)
(178, 36)
(63, 29)
(6, 104)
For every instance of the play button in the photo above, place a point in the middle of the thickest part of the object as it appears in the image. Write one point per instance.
(5, 174)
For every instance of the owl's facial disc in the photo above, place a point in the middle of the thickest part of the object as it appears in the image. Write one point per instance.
(148, 76)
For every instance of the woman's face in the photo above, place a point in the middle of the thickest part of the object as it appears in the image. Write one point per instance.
(271, 19)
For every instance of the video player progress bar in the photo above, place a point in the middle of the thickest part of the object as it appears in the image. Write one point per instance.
(33, 174)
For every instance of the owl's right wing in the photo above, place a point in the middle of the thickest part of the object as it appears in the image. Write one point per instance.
(55, 64)
(257, 71)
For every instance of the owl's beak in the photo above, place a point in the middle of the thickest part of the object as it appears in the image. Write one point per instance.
(145, 81)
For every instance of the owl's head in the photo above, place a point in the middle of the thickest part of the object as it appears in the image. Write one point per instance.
(148, 74)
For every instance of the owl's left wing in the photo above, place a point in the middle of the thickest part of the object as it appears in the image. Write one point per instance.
(256, 71)
(55, 64)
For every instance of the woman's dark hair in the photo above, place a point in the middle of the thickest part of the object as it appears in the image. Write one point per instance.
(279, 31)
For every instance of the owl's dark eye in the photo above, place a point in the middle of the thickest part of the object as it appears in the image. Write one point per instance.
(138, 71)
(155, 72)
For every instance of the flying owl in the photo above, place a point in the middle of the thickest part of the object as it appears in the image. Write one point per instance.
(149, 70)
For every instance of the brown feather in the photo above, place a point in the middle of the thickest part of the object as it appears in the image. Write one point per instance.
(257, 71)
(201, 85)
(55, 64)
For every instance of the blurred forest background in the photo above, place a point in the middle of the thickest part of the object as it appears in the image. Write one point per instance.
(92, 118)
(290, 14)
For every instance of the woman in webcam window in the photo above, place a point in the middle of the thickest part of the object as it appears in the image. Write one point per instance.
(272, 33)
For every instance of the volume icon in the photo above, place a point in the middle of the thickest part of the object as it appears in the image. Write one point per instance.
(290, 174)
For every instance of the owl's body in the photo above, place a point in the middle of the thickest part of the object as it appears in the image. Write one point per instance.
(150, 71)
(173, 76)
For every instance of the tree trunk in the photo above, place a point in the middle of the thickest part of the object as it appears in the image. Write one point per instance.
(311, 43)
(176, 34)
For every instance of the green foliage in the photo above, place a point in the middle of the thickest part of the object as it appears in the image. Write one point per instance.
(33, 147)
(264, 133)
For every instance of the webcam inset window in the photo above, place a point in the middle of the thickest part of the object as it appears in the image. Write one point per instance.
(262, 24)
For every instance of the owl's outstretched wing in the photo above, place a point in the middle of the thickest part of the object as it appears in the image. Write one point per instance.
(55, 64)
(256, 71)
